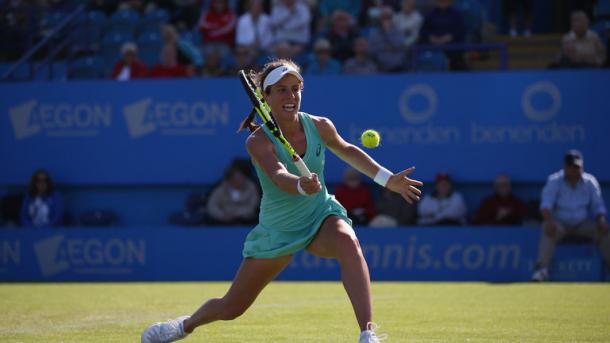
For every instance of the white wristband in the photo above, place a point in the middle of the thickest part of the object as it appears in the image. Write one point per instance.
(382, 176)
(300, 189)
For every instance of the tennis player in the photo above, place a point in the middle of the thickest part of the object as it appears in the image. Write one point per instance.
(296, 212)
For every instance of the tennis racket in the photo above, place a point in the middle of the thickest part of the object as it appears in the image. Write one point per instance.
(264, 112)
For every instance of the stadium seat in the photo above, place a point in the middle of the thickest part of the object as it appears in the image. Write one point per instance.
(432, 61)
(193, 37)
(153, 20)
(98, 217)
(124, 21)
(111, 46)
(87, 68)
(150, 40)
(472, 12)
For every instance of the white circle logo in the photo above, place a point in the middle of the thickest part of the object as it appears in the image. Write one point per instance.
(541, 115)
(418, 117)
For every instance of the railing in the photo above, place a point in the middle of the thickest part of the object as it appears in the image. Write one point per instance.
(46, 41)
(501, 47)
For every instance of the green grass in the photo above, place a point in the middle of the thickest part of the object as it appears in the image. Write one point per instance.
(311, 312)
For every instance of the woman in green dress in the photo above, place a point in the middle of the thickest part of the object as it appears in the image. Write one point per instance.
(296, 212)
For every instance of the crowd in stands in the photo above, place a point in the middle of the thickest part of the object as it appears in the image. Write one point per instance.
(234, 200)
(208, 38)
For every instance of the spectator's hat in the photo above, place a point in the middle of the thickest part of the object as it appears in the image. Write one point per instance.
(129, 47)
(573, 158)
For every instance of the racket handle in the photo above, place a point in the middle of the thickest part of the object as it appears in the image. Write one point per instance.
(302, 167)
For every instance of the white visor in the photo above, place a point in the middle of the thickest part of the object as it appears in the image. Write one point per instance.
(278, 73)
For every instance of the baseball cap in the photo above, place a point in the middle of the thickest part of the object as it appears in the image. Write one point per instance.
(573, 158)
(278, 73)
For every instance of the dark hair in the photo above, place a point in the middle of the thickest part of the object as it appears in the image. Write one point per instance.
(259, 77)
(32, 190)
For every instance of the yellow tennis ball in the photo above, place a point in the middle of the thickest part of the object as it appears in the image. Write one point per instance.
(370, 138)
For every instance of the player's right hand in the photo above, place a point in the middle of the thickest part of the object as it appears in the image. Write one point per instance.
(310, 184)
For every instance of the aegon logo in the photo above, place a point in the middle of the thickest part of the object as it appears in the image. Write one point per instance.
(58, 254)
(175, 118)
(417, 117)
(541, 87)
(61, 119)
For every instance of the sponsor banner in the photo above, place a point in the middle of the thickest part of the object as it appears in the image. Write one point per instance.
(434, 254)
(172, 131)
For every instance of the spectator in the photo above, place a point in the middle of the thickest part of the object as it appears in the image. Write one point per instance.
(386, 41)
(322, 63)
(571, 205)
(328, 7)
(291, 20)
(234, 201)
(212, 65)
(409, 21)
(371, 9)
(187, 53)
(42, 205)
(342, 35)
(581, 47)
(444, 25)
(130, 66)
(254, 28)
(502, 207)
(217, 24)
(169, 66)
(392, 206)
(512, 7)
(361, 63)
(244, 59)
(185, 13)
(444, 206)
(356, 198)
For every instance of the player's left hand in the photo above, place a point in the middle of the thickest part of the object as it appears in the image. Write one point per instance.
(405, 186)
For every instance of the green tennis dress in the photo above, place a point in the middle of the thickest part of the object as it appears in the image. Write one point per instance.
(289, 222)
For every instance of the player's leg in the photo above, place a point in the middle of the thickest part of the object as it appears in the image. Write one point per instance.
(590, 230)
(546, 249)
(253, 275)
(336, 239)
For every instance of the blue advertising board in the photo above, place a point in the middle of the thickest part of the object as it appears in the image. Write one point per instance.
(473, 125)
(433, 254)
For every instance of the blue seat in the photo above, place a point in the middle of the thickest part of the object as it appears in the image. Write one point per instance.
(193, 37)
(153, 20)
(124, 21)
(87, 68)
(472, 12)
(52, 19)
(150, 58)
(431, 61)
(110, 49)
(149, 39)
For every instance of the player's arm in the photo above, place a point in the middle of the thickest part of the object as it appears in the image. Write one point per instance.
(361, 161)
(262, 151)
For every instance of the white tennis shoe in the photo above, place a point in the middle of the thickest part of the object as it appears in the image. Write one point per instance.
(369, 335)
(169, 331)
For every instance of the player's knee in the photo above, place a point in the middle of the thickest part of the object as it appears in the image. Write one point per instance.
(347, 244)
